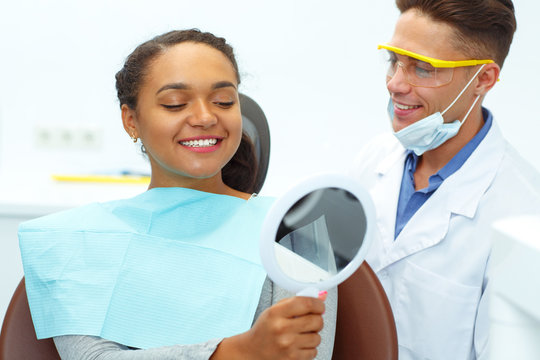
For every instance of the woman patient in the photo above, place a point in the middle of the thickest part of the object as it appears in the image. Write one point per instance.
(173, 273)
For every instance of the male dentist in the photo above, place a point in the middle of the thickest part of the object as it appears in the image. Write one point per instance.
(445, 175)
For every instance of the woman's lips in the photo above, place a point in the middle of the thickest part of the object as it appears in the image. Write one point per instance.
(199, 142)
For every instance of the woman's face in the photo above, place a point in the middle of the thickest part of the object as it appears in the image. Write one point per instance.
(188, 115)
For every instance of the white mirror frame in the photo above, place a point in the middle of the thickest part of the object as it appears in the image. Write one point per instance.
(282, 205)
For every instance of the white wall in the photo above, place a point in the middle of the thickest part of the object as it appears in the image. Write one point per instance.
(312, 67)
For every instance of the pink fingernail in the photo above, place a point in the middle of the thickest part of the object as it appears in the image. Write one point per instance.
(324, 292)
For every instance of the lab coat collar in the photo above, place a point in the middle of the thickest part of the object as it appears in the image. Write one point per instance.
(459, 194)
(393, 159)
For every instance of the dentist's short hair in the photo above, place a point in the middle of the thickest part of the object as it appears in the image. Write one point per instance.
(484, 28)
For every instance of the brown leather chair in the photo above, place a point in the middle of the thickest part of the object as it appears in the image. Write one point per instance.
(18, 338)
(365, 326)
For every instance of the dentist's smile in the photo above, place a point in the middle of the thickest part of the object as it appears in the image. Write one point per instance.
(405, 111)
(406, 107)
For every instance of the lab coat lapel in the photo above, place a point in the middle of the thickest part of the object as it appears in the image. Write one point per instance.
(385, 194)
(427, 227)
(460, 194)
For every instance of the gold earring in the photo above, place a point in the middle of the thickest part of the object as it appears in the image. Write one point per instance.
(134, 138)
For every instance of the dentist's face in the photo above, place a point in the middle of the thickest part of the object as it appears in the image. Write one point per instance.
(418, 33)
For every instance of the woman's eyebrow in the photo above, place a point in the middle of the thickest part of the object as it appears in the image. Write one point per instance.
(173, 86)
(222, 84)
(182, 86)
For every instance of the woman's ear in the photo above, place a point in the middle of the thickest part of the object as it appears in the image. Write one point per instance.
(487, 78)
(129, 120)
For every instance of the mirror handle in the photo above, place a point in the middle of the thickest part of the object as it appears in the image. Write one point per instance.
(309, 291)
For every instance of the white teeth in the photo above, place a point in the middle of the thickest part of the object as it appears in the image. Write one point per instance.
(406, 107)
(199, 143)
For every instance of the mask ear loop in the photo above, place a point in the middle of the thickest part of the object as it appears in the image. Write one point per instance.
(461, 93)
(470, 109)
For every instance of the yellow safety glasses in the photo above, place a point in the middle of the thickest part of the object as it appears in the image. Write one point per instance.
(424, 71)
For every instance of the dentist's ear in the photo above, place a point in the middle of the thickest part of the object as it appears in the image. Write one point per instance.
(487, 78)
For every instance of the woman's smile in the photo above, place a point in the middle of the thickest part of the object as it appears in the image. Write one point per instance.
(202, 144)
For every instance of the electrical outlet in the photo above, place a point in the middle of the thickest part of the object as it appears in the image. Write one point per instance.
(65, 137)
(86, 137)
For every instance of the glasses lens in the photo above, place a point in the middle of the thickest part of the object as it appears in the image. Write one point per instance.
(387, 59)
(421, 73)
(416, 72)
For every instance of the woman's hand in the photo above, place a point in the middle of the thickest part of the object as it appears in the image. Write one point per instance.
(287, 330)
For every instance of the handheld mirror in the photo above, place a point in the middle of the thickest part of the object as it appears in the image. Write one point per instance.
(317, 234)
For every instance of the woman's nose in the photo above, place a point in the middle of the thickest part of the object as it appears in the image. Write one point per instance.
(398, 83)
(203, 115)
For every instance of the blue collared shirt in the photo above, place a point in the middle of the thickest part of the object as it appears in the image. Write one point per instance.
(410, 200)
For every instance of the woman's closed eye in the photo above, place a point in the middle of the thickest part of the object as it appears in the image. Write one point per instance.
(224, 104)
(173, 106)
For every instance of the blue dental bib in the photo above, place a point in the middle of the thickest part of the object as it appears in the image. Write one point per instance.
(170, 266)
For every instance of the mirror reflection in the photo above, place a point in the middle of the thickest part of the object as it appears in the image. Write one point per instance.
(320, 234)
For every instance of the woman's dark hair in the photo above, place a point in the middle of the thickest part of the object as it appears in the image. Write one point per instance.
(241, 171)
(484, 28)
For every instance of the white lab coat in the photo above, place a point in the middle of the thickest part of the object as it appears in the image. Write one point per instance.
(436, 272)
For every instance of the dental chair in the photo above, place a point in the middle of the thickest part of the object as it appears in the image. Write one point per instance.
(18, 339)
(255, 125)
(365, 327)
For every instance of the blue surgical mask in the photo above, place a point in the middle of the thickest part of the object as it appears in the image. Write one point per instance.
(430, 132)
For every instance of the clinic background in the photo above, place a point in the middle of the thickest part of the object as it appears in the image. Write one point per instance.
(313, 68)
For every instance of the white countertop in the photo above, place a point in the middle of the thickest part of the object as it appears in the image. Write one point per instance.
(34, 195)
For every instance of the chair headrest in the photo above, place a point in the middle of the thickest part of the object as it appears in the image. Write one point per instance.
(255, 125)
